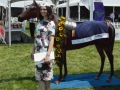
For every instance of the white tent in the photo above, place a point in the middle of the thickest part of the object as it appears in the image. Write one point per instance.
(105, 2)
(1, 4)
(71, 3)
(22, 4)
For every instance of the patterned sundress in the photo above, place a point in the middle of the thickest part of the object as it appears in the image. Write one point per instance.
(44, 29)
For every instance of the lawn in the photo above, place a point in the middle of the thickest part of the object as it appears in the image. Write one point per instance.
(17, 69)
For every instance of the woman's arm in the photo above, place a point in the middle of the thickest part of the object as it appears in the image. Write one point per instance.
(51, 43)
(33, 51)
(50, 47)
(51, 29)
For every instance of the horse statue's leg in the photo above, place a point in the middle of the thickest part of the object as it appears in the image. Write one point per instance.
(110, 58)
(62, 63)
(65, 64)
(102, 56)
(60, 71)
(108, 50)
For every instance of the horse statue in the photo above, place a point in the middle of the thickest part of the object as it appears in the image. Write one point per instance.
(102, 45)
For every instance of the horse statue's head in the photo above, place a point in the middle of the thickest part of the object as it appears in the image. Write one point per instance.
(33, 10)
(30, 12)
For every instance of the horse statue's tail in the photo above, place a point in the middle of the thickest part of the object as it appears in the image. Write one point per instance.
(113, 36)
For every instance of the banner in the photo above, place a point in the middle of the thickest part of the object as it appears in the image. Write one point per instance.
(99, 12)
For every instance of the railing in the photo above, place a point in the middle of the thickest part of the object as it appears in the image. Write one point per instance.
(116, 25)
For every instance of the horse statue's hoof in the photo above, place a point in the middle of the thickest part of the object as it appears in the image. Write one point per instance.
(96, 78)
(57, 82)
(108, 80)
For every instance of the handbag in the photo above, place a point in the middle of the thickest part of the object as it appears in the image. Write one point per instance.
(38, 57)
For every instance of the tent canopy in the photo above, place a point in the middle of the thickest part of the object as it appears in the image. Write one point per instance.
(71, 3)
(1, 4)
(22, 4)
(12, 1)
(116, 3)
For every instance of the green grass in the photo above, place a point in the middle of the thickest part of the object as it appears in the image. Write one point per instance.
(17, 69)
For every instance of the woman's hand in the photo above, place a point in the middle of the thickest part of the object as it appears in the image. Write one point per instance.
(47, 59)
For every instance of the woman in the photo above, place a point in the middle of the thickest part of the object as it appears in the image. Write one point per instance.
(44, 42)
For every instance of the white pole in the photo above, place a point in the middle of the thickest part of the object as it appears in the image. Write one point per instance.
(9, 22)
(91, 10)
(62, 11)
(57, 8)
(67, 9)
(78, 11)
(114, 13)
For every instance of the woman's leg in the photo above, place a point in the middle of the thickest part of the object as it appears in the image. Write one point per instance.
(47, 85)
(42, 85)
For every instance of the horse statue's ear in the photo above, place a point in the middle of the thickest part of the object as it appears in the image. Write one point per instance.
(36, 4)
(70, 24)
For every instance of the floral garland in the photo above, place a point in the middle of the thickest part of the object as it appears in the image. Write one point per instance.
(60, 33)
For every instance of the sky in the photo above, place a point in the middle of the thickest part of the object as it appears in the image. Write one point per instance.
(3, 1)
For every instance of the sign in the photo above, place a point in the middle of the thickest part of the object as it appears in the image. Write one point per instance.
(99, 12)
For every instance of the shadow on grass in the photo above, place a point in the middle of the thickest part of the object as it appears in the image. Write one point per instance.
(18, 79)
(30, 40)
(117, 72)
(93, 88)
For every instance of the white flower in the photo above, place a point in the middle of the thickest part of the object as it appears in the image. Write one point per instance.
(39, 65)
(45, 71)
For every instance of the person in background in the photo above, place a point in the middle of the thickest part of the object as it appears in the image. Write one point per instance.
(112, 15)
(44, 41)
(108, 19)
(2, 32)
(32, 27)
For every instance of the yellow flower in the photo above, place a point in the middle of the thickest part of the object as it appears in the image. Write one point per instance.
(57, 39)
(57, 55)
(62, 17)
(59, 24)
(58, 45)
(60, 34)
(59, 50)
(60, 28)
(62, 22)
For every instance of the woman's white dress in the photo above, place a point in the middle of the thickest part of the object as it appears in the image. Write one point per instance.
(44, 29)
